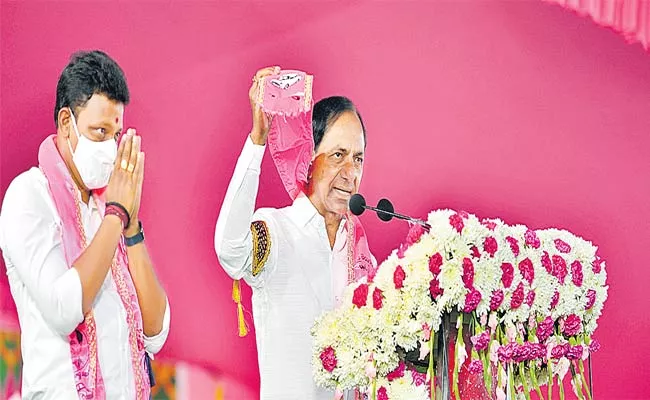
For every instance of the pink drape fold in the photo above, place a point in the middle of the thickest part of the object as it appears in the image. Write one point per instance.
(631, 18)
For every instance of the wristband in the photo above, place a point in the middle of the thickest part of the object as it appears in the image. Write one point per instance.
(114, 208)
(135, 239)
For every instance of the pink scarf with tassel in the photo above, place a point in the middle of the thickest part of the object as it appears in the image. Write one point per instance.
(83, 341)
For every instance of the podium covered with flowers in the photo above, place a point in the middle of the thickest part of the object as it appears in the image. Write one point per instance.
(472, 309)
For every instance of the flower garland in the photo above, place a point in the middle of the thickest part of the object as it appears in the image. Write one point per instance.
(533, 299)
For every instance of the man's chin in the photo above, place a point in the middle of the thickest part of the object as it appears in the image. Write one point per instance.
(339, 207)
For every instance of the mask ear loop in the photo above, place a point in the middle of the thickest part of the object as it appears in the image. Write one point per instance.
(76, 130)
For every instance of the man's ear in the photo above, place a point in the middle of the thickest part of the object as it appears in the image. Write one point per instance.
(64, 122)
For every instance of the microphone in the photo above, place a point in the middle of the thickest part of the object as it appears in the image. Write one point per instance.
(385, 210)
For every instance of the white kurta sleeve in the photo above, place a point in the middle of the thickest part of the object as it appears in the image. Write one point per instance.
(239, 227)
(31, 242)
(153, 344)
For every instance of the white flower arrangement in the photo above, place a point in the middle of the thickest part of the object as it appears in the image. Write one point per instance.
(533, 299)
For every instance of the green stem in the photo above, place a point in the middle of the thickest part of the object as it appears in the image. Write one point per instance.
(550, 380)
(374, 389)
(432, 372)
(533, 379)
(522, 374)
(560, 382)
(576, 383)
(459, 341)
(582, 375)
(486, 370)
(511, 381)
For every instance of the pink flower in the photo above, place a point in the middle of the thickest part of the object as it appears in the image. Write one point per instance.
(546, 262)
(435, 262)
(371, 371)
(514, 245)
(494, 351)
(481, 341)
(398, 277)
(496, 300)
(414, 234)
(419, 378)
(381, 394)
(492, 321)
(377, 298)
(527, 270)
(555, 299)
(545, 329)
(434, 288)
(328, 359)
(517, 296)
(338, 394)
(511, 332)
(397, 372)
(401, 251)
(507, 275)
(475, 367)
(471, 300)
(574, 352)
(530, 298)
(539, 350)
(562, 246)
(597, 265)
(505, 352)
(531, 239)
(522, 352)
(591, 299)
(572, 325)
(490, 246)
(360, 296)
(475, 253)
(594, 346)
(559, 268)
(491, 225)
(456, 222)
(560, 350)
(576, 273)
(468, 273)
(426, 332)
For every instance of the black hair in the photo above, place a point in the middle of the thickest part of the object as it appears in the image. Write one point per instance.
(327, 111)
(88, 73)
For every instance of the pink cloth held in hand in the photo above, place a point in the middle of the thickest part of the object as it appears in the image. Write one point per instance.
(287, 97)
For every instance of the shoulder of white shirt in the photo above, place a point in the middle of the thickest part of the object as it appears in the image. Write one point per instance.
(25, 190)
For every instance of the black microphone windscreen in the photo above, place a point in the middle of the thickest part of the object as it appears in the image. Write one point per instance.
(357, 204)
(385, 205)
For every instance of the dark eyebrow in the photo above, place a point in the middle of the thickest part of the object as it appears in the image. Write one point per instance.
(359, 153)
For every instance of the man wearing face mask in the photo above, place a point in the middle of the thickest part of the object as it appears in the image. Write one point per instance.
(297, 258)
(91, 309)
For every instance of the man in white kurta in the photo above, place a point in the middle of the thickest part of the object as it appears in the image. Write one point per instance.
(56, 296)
(48, 295)
(289, 256)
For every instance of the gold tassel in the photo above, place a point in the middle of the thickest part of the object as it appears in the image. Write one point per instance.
(236, 296)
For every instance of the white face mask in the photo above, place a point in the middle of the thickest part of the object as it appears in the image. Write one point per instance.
(94, 160)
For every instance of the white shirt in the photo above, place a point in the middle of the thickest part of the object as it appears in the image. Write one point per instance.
(48, 297)
(299, 281)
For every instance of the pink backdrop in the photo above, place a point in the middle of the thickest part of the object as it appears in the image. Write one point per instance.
(514, 109)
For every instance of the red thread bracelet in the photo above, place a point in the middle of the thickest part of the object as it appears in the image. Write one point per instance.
(113, 209)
